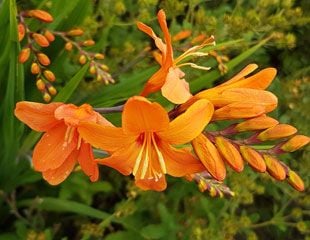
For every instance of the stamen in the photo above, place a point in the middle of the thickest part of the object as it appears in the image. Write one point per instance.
(193, 65)
(160, 156)
(146, 158)
(79, 142)
(138, 160)
(67, 136)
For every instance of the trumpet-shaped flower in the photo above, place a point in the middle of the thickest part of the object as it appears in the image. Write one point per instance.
(143, 146)
(61, 146)
(169, 78)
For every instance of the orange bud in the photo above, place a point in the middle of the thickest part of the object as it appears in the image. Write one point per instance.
(40, 84)
(75, 32)
(181, 35)
(258, 123)
(230, 153)
(99, 56)
(295, 181)
(295, 143)
(49, 36)
(88, 43)
(40, 15)
(49, 75)
(278, 131)
(275, 168)
(200, 38)
(104, 67)
(40, 40)
(82, 59)
(46, 97)
(35, 68)
(92, 70)
(24, 55)
(21, 31)
(68, 46)
(43, 59)
(209, 156)
(254, 159)
(52, 90)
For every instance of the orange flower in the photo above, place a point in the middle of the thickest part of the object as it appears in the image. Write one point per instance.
(143, 146)
(169, 78)
(61, 146)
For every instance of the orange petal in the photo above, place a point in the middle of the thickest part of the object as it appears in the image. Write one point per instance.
(209, 156)
(180, 162)
(105, 137)
(275, 168)
(122, 160)
(258, 123)
(188, 125)
(276, 132)
(155, 82)
(230, 153)
(58, 175)
(152, 184)
(244, 72)
(295, 143)
(255, 160)
(51, 151)
(38, 116)
(176, 90)
(87, 161)
(140, 115)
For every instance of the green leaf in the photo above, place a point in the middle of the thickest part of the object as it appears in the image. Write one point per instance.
(153, 231)
(121, 235)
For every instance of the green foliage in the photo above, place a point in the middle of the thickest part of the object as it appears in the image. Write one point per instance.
(270, 33)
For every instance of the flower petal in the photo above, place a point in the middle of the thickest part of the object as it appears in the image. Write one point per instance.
(87, 161)
(188, 125)
(58, 175)
(140, 115)
(52, 150)
(244, 72)
(155, 82)
(104, 137)
(175, 89)
(38, 116)
(152, 184)
(180, 162)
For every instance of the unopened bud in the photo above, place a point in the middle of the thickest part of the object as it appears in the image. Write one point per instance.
(21, 32)
(254, 159)
(24, 55)
(49, 75)
(52, 90)
(82, 59)
(99, 78)
(68, 46)
(295, 143)
(75, 32)
(43, 59)
(40, 40)
(88, 43)
(49, 36)
(35, 68)
(275, 168)
(276, 132)
(295, 181)
(40, 15)
(181, 35)
(104, 67)
(46, 97)
(200, 38)
(99, 56)
(258, 123)
(40, 84)
(92, 70)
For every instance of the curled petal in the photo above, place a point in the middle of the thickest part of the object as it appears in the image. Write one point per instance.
(275, 168)
(152, 184)
(188, 125)
(254, 159)
(155, 82)
(38, 116)
(276, 132)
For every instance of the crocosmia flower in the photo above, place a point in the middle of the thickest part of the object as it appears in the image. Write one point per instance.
(61, 146)
(144, 144)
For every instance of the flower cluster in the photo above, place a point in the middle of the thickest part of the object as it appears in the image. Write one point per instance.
(35, 41)
(153, 142)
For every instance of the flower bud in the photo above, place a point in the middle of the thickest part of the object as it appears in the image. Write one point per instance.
(40, 40)
(209, 157)
(99, 56)
(21, 32)
(230, 153)
(200, 38)
(49, 36)
(35, 68)
(49, 75)
(24, 55)
(295, 143)
(40, 15)
(181, 35)
(104, 67)
(92, 70)
(254, 159)
(295, 181)
(46, 97)
(258, 123)
(75, 32)
(68, 46)
(275, 168)
(43, 59)
(88, 43)
(82, 59)
(40, 84)
(52, 90)
(276, 132)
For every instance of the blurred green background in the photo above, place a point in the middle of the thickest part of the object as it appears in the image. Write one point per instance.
(114, 208)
